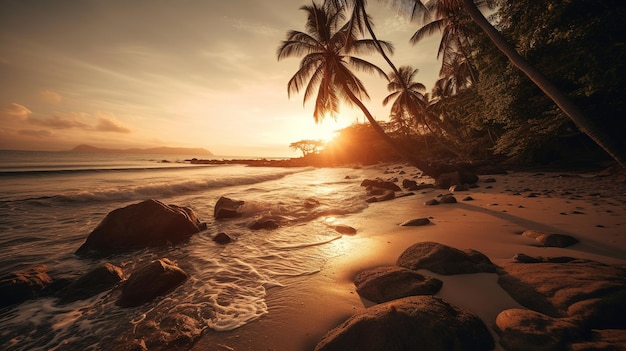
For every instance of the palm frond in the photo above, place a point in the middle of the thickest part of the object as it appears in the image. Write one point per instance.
(390, 97)
(366, 66)
(428, 29)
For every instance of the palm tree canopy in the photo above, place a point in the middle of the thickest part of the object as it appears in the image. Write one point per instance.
(325, 68)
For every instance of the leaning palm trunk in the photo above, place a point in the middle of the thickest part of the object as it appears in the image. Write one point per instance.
(423, 166)
(563, 102)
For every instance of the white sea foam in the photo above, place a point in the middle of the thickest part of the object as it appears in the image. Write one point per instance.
(51, 215)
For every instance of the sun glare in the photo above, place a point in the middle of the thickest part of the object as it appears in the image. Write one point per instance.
(327, 130)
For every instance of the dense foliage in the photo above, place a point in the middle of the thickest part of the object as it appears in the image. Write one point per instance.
(483, 106)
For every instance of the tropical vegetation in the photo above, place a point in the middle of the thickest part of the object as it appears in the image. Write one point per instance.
(535, 81)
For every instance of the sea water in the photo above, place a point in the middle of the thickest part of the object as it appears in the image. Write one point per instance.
(51, 201)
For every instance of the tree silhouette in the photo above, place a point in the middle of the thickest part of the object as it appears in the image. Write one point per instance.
(327, 48)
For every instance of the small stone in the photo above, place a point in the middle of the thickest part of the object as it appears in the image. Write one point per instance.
(222, 238)
(432, 202)
(523, 258)
(344, 229)
(416, 222)
(468, 198)
(448, 199)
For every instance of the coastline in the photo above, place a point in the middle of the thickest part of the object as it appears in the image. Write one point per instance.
(588, 206)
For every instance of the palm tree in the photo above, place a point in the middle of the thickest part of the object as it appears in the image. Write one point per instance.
(583, 123)
(325, 67)
(408, 103)
(455, 45)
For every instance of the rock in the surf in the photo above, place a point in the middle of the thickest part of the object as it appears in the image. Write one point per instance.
(410, 323)
(24, 284)
(101, 278)
(154, 279)
(137, 226)
(227, 208)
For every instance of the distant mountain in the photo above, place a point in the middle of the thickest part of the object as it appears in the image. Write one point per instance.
(154, 150)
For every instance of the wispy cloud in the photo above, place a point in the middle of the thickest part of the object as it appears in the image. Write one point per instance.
(14, 111)
(109, 124)
(50, 96)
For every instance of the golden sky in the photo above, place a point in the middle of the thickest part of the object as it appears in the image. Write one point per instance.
(147, 73)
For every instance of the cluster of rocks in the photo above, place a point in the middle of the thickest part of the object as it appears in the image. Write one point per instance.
(454, 180)
(407, 316)
(571, 304)
(150, 223)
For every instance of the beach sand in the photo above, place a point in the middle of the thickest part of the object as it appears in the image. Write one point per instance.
(587, 206)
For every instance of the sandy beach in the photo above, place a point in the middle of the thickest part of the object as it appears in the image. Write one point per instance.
(588, 206)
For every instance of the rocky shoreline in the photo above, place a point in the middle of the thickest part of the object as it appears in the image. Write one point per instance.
(569, 302)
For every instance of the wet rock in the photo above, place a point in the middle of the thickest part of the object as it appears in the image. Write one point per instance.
(411, 323)
(263, 223)
(444, 259)
(380, 184)
(222, 238)
(385, 196)
(101, 278)
(145, 224)
(551, 240)
(227, 208)
(344, 229)
(388, 283)
(416, 222)
(146, 283)
(23, 285)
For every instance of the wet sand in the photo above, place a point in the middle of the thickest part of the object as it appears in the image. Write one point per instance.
(587, 206)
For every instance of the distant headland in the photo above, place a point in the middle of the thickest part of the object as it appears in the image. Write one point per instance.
(154, 150)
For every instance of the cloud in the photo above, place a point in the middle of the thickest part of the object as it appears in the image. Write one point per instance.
(14, 110)
(58, 122)
(40, 133)
(50, 96)
(108, 124)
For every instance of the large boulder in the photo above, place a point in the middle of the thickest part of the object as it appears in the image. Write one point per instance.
(24, 284)
(444, 259)
(411, 323)
(522, 330)
(101, 278)
(137, 226)
(591, 292)
(388, 283)
(154, 279)
(227, 208)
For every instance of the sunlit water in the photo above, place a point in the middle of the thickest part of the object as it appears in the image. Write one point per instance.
(50, 202)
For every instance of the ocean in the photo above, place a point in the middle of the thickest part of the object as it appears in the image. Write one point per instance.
(51, 201)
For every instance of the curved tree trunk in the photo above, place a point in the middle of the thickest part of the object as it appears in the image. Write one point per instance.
(563, 102)
(423, 166)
